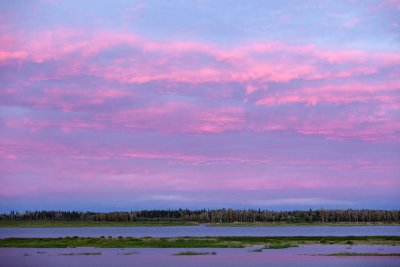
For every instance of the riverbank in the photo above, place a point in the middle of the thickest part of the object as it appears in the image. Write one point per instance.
(195, 242)
(36, 224)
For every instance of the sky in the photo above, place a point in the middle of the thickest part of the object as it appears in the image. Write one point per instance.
(129, 105)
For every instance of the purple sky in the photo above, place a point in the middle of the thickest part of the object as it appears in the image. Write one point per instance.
(119, 105)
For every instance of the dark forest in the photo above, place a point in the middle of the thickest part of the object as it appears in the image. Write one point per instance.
(214, 216)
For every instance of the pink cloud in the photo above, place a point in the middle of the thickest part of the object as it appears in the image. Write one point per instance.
(181, 117)
(337, 94)
(11, 55)
(182, 61)
(253, 66)
(389, 4)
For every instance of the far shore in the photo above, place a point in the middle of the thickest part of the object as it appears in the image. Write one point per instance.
(38, 224)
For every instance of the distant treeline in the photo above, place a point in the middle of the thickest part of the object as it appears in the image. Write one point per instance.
(214, 216)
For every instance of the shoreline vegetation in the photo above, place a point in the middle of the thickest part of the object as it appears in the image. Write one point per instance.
(186, 217)
(278, 242)
(47, 223)
(362, 254)
(194, 253)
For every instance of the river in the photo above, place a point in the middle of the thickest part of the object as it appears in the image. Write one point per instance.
(200, 231)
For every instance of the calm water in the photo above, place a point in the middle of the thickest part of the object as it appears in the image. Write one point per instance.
(300, 256)
(201, 231)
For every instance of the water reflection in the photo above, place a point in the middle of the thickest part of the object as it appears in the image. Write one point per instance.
(298, 256)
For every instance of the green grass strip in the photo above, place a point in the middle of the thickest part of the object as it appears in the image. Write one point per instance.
(195, 242)
(364, 254)
(194, 253)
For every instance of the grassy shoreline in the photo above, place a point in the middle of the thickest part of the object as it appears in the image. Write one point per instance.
(260, 224)
(38, 224)
(195, 242)
(363, 254)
